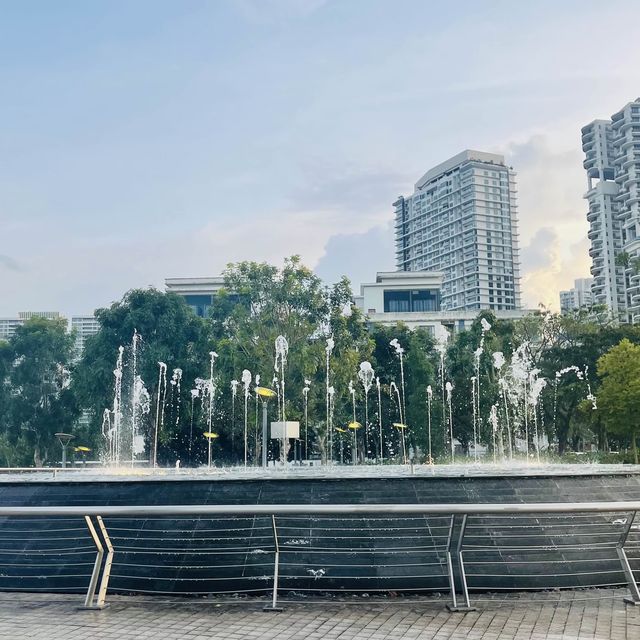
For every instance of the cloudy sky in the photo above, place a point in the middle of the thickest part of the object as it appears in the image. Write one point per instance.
(157, 138)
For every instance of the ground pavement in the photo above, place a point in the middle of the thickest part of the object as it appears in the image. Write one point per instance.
(598, 614)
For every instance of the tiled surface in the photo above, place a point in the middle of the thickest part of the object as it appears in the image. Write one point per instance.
(598, 614)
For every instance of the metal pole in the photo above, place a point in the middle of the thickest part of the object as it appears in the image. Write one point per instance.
(93, 583)
(102, 594)
(628, 572)
(64, 455)
(452, 582)
(264, 434)
(276, 568)
(463, 575)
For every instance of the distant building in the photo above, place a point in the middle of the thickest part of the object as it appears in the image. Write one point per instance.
(578, 297)
(612, 163)
(8, 326)
(197, 292)
(462, 221)
(84, 326)
(414, 298)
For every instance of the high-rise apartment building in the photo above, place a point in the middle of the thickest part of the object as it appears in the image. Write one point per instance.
(612, 162)
(84, 326)
(462, 221)
(578, 297)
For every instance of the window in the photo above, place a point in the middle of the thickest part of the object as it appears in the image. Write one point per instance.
(420, 300)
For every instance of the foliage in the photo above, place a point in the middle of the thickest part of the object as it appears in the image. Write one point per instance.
(170, 332)
(260, 302)
(40, 402)
(619, 394)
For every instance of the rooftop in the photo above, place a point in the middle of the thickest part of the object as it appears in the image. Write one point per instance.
(458, 159)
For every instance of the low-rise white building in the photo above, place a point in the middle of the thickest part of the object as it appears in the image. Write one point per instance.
(197, 292)
(8, 326)
(413, 298)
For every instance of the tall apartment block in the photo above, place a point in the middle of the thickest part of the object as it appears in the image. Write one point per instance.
(612, 162)
(462, 220)
(84, 326)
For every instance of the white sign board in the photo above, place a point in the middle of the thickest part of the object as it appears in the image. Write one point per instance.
(280, 430)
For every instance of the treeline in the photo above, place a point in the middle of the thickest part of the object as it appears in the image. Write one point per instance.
(44, 391)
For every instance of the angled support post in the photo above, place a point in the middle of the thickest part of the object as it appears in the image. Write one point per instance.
(452, 582)
(276, 568)
(463, 577)
(93, 582)
(106, 573)
(624, 561)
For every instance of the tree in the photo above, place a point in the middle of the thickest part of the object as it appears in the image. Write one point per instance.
(170, 333)
(41, 403)
(619, 394)
(579, 340)
(261, 302)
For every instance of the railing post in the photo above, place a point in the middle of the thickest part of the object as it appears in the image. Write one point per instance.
(102, 594)
(93, 582)
(276, 568)
(452, 582)
(626, 567)
(463, 577)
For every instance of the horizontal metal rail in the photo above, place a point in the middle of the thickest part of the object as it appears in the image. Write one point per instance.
(323, 509)
(439, 539)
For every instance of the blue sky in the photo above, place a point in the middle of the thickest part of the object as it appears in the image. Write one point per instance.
(147, 139)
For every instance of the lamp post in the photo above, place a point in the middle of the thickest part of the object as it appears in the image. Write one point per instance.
(210, 436)
(401, 428)
(354, 426)
(83, 452)
(64, 439)
(265, 395)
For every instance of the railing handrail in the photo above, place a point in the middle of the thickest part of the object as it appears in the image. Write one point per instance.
(322, 509)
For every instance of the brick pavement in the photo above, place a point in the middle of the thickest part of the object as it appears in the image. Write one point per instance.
(598, 614)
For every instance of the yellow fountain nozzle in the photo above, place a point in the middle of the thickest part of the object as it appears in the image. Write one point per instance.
(354, 425)
(265, 392)
(83, 449)
(341, 430)
(210, 435)
(399, 425)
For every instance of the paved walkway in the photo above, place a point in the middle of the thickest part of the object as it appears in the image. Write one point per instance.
(598, 614)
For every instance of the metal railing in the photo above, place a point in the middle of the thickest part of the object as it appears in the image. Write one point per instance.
(459, 548)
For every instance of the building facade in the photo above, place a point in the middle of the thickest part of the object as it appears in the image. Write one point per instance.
(8, 326)
(413, 298)
(612, 163)
(84, 326)
(462, 221)
(578, 297)
(197, 292)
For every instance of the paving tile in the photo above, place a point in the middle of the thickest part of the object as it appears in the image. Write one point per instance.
(593, 614)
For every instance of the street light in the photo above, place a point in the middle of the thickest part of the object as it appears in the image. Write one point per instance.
(354, 426)
(401, 428)
(210, 436)
(265, 394)
(64, 439)
(83, 451)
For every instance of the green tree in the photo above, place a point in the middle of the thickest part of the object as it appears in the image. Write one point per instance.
(619, 394)
(41, 402)
(261, 302)
(169, 332)
(578, 340)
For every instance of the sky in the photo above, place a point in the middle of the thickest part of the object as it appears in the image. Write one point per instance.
(152, 139)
